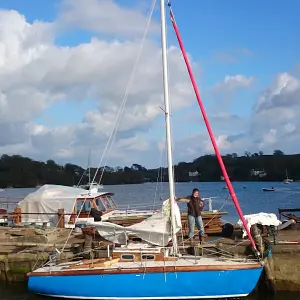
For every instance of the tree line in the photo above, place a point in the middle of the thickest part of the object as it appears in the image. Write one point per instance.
(19, 171)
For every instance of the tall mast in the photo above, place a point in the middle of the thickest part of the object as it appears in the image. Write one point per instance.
(167, 119)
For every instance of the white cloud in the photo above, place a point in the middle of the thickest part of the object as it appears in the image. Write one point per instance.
(284, 92)
(273, 124)
(233, 82)
(35, 73)
(276, 118)
(103, 16)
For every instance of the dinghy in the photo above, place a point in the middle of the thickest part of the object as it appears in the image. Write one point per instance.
(268, 189)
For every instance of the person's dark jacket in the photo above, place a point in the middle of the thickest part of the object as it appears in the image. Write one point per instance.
(194, 204)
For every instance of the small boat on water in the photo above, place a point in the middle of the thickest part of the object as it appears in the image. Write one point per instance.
(94, 186)
(268, 189)
(287, 180)
(91, 185)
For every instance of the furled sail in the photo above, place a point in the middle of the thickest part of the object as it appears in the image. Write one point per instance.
(155, 230)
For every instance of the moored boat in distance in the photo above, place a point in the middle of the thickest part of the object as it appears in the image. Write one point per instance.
(268, 189)
(287, 180)
(94, 186)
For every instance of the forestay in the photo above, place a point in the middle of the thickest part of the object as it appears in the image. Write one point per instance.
(155, 230)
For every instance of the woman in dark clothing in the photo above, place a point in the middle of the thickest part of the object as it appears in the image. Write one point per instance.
(195, 205)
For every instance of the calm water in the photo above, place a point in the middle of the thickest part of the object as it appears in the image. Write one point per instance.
(252, 200)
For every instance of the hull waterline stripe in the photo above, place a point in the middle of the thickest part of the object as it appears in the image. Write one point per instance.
(147, 298)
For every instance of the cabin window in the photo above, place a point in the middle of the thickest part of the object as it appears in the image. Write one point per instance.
(86, 206)
(100, 205)
(148, 257)
(79, 205)
(112, 201)
(109, 202)
(127, 257)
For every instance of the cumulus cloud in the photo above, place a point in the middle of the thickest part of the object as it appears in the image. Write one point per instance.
(103, 16)
(233, 82)
(283, 92)
(273, 124)
(35, 73)
(275, 121)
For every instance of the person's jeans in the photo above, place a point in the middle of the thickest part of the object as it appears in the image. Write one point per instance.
(198, 220)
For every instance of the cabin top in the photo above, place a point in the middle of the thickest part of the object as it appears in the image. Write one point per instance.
(102, 201)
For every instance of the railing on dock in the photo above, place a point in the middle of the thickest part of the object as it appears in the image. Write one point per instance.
(284, 212)
(16, 217)
(210, 217)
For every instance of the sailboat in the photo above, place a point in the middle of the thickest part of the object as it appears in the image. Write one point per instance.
(287, 180)
(91, 186)
(155, 269)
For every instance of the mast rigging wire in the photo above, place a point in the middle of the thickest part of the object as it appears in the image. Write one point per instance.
(120, 112)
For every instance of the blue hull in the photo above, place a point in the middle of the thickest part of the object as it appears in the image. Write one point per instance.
(180, 285)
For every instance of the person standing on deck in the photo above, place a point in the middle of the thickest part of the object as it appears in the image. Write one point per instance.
(195, 205)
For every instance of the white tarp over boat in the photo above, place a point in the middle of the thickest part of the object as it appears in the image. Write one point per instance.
(47, 200)
(155, 229)
(260, 218)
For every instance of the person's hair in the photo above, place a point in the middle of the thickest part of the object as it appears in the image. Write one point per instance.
(194, 190)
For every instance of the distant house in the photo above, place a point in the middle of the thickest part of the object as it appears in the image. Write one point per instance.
(258, 173)
(193, 174)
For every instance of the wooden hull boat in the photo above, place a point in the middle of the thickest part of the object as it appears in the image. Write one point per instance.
(145, 271)
(148, 280)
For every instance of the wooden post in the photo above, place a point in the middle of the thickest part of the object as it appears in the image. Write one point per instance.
(17, 215)
(89, 233)
(268, 260)
(61, 218)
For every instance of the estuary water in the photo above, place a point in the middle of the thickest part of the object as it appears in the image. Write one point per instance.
(250, 194)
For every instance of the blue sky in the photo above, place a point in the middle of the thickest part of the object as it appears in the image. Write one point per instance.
(254, 39)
